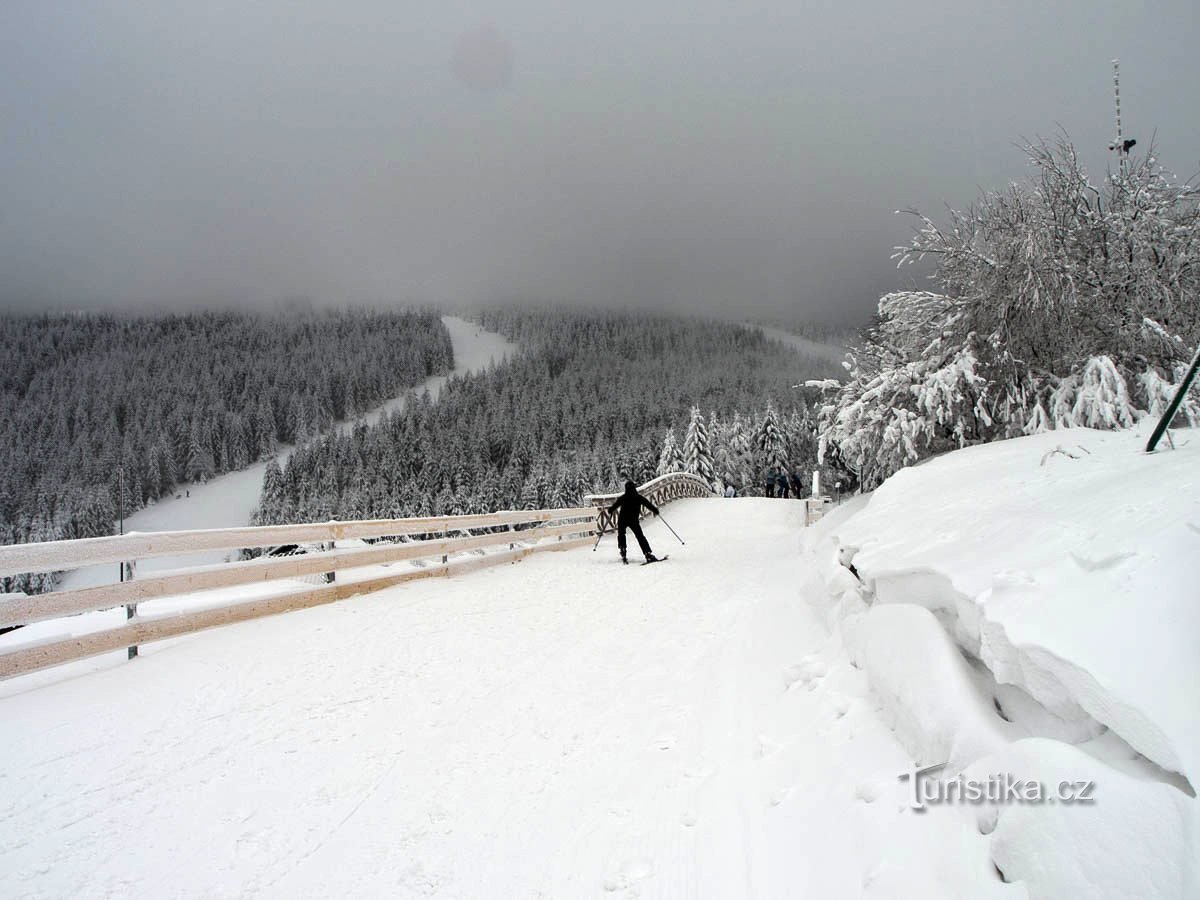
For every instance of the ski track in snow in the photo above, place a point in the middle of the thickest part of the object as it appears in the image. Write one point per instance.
(228, 500)
(807, 346)
(560, 727)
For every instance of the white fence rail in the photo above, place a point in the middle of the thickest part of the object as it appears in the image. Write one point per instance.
(509, 535)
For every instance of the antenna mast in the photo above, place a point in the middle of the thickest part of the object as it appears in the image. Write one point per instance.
(1119, 143)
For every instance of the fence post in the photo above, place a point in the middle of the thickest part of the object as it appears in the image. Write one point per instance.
(326, 546)
(127, 570)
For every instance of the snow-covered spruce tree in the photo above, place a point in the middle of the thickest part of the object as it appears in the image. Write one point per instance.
(741, 453)
(1060, 303)
(770, 444)
(670, 459)
(697, 451)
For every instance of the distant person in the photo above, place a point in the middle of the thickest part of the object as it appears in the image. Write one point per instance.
(769, 487)
(781, 485)
(630, 503)
(730, 491)
(796, 484)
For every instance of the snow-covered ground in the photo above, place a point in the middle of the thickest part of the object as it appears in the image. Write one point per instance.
(228, 500)
(562, 727)
(732, 723)
(1032, 607)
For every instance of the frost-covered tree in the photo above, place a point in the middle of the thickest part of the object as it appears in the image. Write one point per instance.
(697, 452)
(770, 444)
(1060, 303)
(670, 459)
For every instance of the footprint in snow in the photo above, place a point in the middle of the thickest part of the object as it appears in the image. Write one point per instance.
(765, 746)
(808, 672)
(839, 705)
(1104, 562)
(631, 872)
(688, 820)
(665, 742)
(868, 791)
(779, 795)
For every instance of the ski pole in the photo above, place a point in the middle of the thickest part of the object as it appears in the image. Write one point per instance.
(598, 537)
(673, 531)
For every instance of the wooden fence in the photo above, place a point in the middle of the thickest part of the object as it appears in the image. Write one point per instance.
(659, 491)
(439, 546)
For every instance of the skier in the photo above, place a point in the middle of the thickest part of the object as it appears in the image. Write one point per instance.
(631, 503)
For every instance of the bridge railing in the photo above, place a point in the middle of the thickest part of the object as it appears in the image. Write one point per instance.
(660, 490)
(435, 546)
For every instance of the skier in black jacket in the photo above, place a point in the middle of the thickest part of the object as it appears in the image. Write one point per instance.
(630, 504)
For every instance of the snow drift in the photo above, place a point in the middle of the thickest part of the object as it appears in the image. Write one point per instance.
(1059, 568)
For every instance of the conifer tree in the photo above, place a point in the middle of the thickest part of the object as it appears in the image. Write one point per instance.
(670, 459)
(770, 443)
(697, 454)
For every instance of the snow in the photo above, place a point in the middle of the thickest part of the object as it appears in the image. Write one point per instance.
(228, 500)
(564, 727)
(1030, 606)
(1132, 842)
(731, 723)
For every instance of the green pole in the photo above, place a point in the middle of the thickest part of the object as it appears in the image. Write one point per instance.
(1180, 393)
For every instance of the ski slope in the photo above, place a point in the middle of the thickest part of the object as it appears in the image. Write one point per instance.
(817, 349)
(228, 500)
(562, 727)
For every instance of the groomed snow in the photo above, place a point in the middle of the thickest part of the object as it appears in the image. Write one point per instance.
(562, 727)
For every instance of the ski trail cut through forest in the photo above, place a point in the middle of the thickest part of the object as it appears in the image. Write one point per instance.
(228, 500)
(807, 346)
(562, 727)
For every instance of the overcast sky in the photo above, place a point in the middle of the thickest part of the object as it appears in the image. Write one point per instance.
(732, 158)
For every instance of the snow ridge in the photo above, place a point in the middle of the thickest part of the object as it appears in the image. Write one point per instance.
(1024, 611)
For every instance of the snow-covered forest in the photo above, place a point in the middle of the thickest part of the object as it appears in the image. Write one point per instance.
(101, 414)
(586, 405)
(1057, 302)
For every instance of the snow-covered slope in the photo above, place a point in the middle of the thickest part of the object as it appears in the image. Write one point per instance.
(563, 727)
(831, 352)
(228, 500)
(1041, 589)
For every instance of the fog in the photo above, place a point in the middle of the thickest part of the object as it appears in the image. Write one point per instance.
(718, 158)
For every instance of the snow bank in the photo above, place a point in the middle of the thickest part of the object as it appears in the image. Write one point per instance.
(1040, 588)
(1068, 574)
(1133, 841)
(935, 709)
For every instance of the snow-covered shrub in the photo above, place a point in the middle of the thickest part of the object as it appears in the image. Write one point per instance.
(1060, 304)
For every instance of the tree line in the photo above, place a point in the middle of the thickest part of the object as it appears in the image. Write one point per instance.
(582, 408)
(102, 414)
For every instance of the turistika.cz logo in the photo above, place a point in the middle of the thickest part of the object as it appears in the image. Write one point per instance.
(926, 789)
